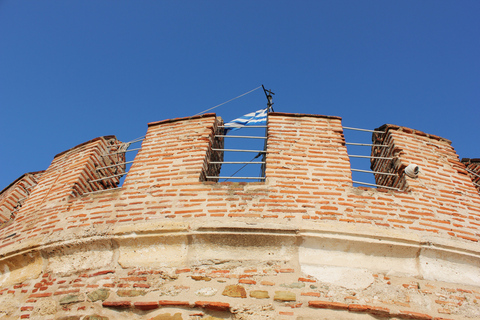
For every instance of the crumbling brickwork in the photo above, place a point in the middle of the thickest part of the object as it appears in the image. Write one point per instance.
(473, 169)
(304, 244)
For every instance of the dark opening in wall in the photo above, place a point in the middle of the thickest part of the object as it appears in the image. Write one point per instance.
(112, 165)
(236, 156)
(372, 164)
(473, 169)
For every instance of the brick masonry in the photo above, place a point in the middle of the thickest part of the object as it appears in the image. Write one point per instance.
(303, 245)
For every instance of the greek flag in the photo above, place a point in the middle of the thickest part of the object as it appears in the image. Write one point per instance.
(258, 117)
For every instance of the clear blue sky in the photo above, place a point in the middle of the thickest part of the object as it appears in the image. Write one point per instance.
(71, 70)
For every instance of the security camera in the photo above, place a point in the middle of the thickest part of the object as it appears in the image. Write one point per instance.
(412, 170)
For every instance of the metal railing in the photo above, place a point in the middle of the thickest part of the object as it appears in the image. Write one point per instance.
(373, 173)
(234, 159)
(104, 171)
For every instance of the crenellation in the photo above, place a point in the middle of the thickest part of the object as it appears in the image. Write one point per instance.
(304, 243)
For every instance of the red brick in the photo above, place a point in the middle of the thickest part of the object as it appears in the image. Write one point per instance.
(99, 273)
(247, 281)
(220, 306)
(172, 303)
(116, 304)
(182, 270)
(146, 305)
(311, 294)
(327, 305)
(26, 308)
(414, 315)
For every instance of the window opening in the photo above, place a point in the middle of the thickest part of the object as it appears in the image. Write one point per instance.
(241, 157)
(368, 169)
(112, 168)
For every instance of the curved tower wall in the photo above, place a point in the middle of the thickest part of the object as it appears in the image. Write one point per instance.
(305, 244)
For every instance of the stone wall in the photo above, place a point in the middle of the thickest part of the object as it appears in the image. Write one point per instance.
(305, 244)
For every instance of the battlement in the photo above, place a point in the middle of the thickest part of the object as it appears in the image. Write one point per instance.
(306, 214)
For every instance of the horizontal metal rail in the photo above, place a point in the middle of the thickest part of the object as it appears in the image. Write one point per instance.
(117, 175)
(375, 172)
(129, 142)
(237, 178)
(240, 127)
(247, 137)
(472, 172)
(365, 144)
(237, 162)
(240, 150)
(376, 185)
(130, 150)
(357, 156)
(366, 130)
(114, 165)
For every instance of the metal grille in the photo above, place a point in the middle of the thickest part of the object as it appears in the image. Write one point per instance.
(361, 164)
(241, 157)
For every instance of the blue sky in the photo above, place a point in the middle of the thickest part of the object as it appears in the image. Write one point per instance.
(71, 71)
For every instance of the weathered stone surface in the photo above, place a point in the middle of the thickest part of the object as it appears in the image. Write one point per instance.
(73, 259)
(20, 268)
(130, 293)
(212, 318)
(200, 278)
(284, 296)
(100, 294)
(72, 298)
(95, 317)
(259, 294)
(45, 307)
(235, 291)
(117, 304)
(168, 316)
(76, 318)
(140, 252)
(293, 285)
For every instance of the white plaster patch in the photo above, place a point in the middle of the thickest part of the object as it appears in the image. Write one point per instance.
(375, 256)
(349, 278)
(151, 252)
(206, 292)
(439, 266)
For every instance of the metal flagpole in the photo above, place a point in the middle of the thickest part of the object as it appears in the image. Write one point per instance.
(268, 94)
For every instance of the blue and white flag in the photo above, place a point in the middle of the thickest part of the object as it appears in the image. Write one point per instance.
(256, 118)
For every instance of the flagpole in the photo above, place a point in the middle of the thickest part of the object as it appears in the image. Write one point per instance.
(268, 94)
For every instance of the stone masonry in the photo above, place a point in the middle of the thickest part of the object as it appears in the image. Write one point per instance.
(304, 244)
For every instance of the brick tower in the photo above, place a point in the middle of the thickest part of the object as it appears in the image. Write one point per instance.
(304, 244)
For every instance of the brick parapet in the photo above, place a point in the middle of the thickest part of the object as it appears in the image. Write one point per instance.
(165, 216)
(308, 181)
(13, 196)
